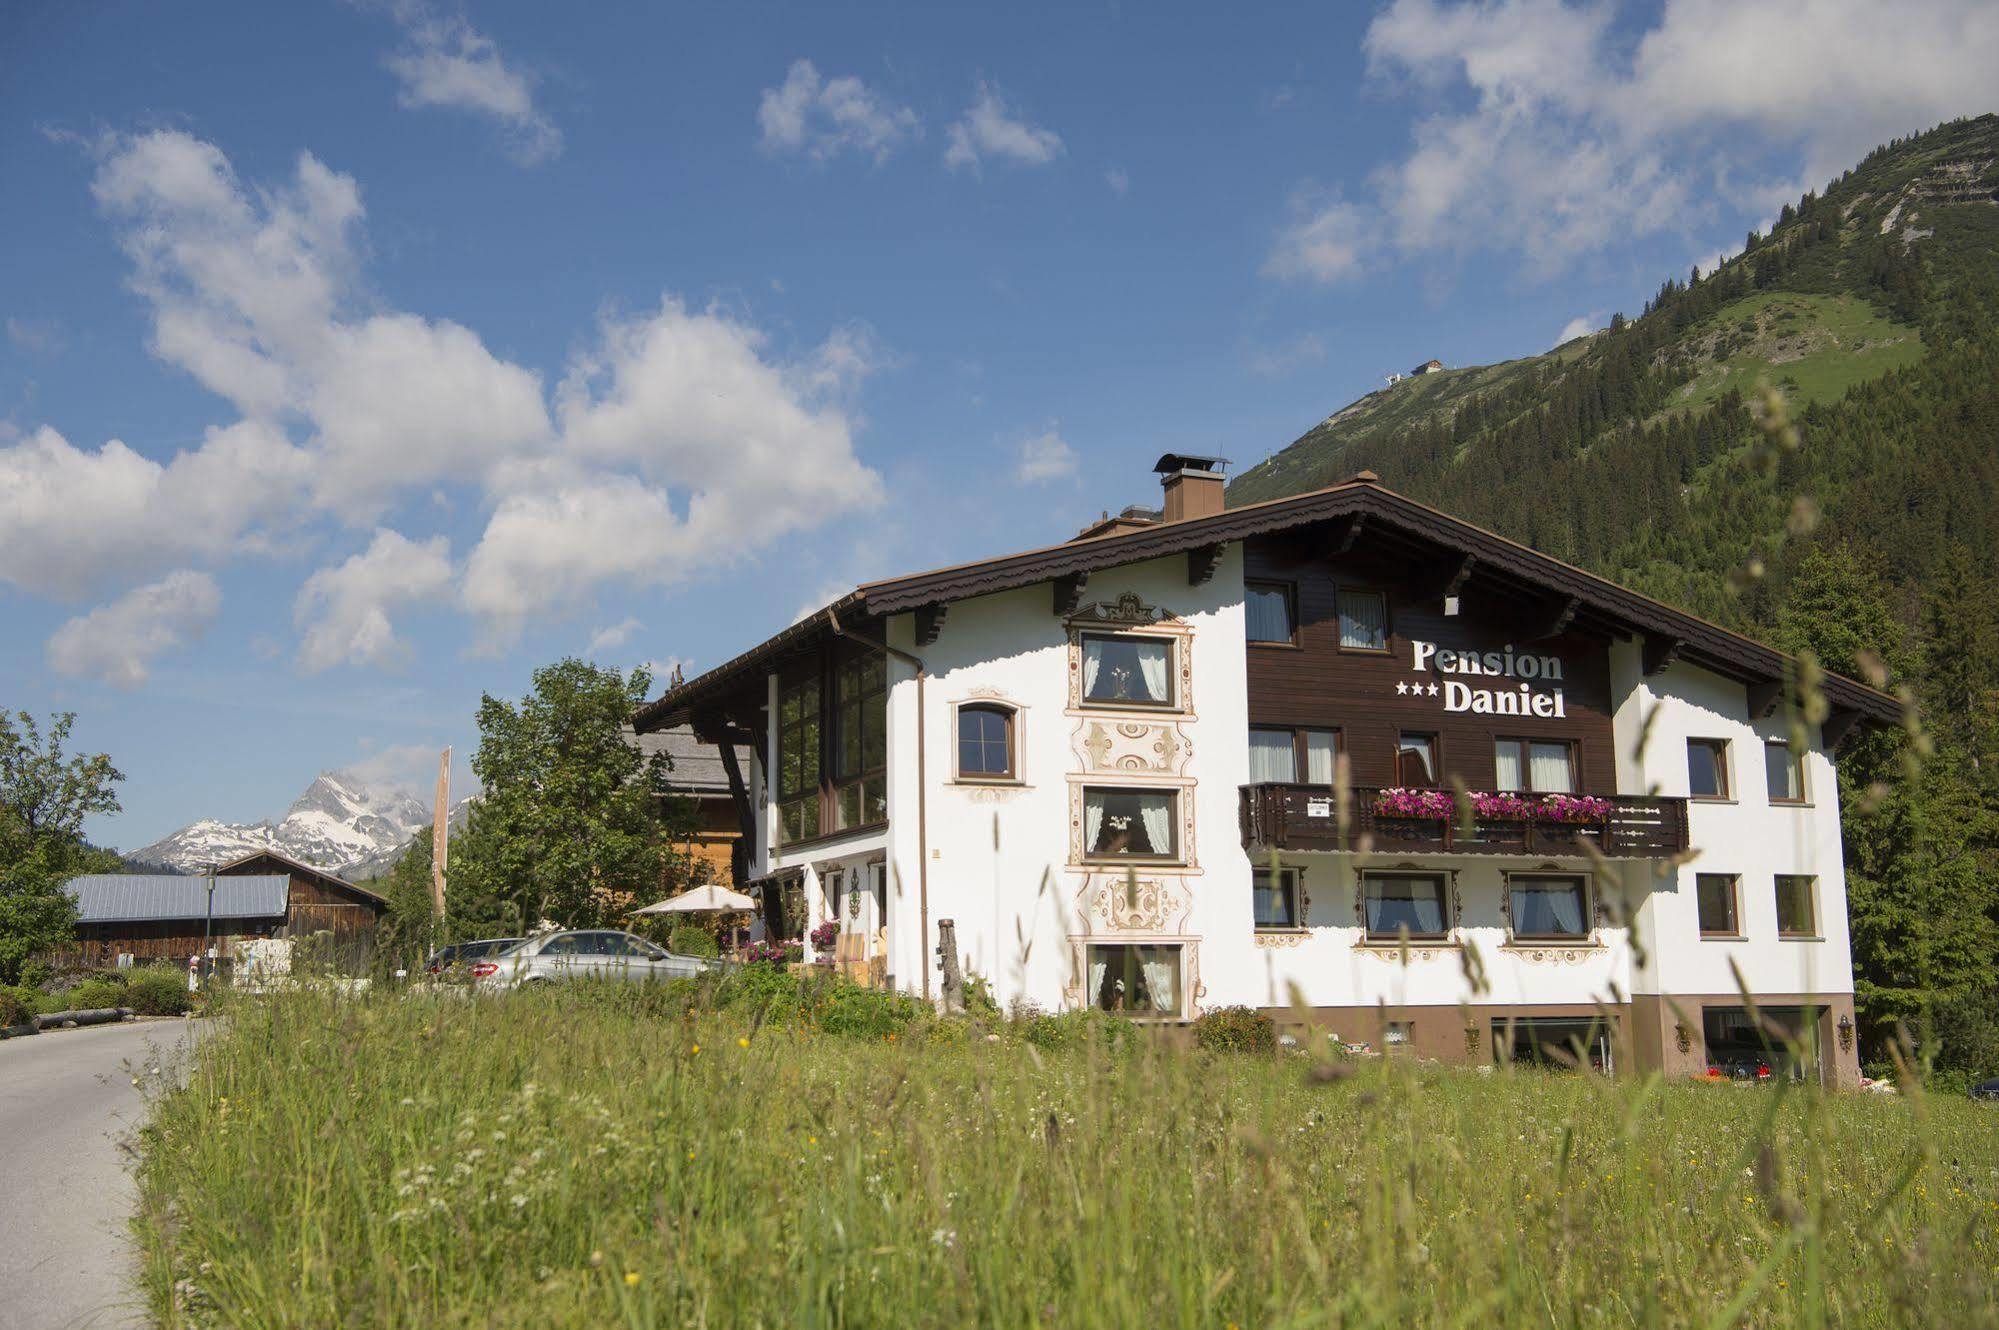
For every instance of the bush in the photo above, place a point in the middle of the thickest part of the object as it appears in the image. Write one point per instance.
(868, 1013)
(16, 1005)
(693, 940)
(92, 994)
(1235, 1030)
(157, 991)
(1072, 1029)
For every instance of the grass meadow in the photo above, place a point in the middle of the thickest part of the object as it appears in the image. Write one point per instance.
(604, 1157)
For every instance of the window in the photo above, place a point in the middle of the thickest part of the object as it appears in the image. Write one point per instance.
(1549, 908)
(1707, 768)
(1128, 671)
(1136, 980)
(1540, 766)
(1276, 897)
(1130, 824)
(1714, 896)
(1414, 903)
(1284, 756)
(798, 760)
(1363, 621)
(1268, 614)
(1784, 771)
(985, 742)
(1797, 913)
(1416, 760)
(860, 742)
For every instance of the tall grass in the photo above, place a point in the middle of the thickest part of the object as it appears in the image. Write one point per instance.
(567, 1159)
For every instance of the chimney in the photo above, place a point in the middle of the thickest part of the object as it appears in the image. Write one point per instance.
(1193, 485)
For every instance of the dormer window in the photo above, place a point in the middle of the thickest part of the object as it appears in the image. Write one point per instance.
(1125, 670)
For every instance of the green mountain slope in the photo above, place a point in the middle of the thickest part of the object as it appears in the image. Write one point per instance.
(1636, 452)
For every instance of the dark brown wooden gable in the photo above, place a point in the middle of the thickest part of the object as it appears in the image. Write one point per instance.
(1317, 684)
(309, 885)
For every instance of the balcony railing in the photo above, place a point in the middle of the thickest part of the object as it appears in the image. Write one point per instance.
(1303, 817)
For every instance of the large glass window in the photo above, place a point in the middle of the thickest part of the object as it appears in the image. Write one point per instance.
(1267, 608)
(1715, 897)
(1542, 766)
(1128, 671)
(1273, 757)
(1136, 980)
(1707, 768)
(1363, 621)
(1797, 912)
(1549, 907)
(985, 742)
(798, 731)
(1785, 773)
(1276, 893)
(1130, 824)
(1411, 903)
(1416, 760)
(860, 742)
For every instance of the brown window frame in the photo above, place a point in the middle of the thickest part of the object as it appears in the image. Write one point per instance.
(1173, 701)
(1293, 880)
(1443, 879)
(1301, 748)
(1810, 933)
(1803, 795)
(827, 783)
(1581, 881)
(1436, 757)
(1290, 593)
(1011, 716)
(1735, 933)
(810, 787)
(1387, 646)
(1726, 795)
(1526, 742)
(1176, 855)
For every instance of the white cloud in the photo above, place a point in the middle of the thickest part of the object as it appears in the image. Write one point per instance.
(612, 636)
(1582, 325)
(1563, 135)
(250, 294)
(823, 118)
(991, 129)
(116, 642)
(36, 336)
(1044, 457)
(343, 611)
(72, 519)
(1118, 180)
(444, 62)
(411, 768)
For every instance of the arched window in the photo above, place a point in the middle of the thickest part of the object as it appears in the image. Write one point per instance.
(985, 742)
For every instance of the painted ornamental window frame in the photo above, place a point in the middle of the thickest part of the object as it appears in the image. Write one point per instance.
(1453, 907)
(1587, 937)
(1294, 877)
(1184, 975)
(1177, 814)
(1015, 742)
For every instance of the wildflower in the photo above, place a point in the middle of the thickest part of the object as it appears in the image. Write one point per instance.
(697, 1048)
(631, 1278)
(744, 1042)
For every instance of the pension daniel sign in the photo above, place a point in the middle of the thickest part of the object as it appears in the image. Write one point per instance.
(1532, 687)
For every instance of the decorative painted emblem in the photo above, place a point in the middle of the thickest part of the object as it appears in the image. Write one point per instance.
(1139, 747)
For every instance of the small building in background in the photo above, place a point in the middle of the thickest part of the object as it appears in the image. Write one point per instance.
(153, 917)
(1429, 367)
(699, 773)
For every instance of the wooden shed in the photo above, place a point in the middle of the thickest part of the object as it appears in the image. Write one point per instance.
(157, 916)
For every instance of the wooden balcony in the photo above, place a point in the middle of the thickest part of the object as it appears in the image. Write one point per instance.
(1302, 817)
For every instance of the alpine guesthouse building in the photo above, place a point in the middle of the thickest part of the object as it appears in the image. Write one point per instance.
(1338, 752)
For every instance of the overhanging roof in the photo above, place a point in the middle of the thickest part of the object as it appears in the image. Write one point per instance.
(1690, 637)
(124, 898)
(299, 868)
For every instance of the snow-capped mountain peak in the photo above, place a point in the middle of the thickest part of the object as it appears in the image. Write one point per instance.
(340, 820)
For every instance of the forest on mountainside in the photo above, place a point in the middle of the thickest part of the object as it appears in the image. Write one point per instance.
(1873, 310)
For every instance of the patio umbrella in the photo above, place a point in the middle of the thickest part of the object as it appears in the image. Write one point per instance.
(710, 899)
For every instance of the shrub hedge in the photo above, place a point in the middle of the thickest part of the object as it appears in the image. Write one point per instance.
(157, 991)
(1235, 1030)
(692, 940)
(94, 993)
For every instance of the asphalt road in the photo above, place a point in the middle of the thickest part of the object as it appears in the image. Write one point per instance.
(66, 1104)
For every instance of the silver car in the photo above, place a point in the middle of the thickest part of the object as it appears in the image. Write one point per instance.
(584, 954)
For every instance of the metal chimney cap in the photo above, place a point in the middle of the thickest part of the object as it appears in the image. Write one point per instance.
(1169, 462)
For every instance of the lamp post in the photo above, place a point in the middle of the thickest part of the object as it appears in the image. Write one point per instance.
(207, 930)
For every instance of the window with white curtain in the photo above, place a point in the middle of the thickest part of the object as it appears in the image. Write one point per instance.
(1273, 757)
(1275, 897)
(1542, 766)
(1137, 980)
(1414, 904)
(1363, 621)
(1321, 748)
(1128, 671)
(1121, 823)
(1548, 907)
(1267, 609)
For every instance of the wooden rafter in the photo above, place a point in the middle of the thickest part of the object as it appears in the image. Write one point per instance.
(1763, 697)
(1560, 615)
(1203, 561)
(1068, 591)
(1659, 652)
(930, 622)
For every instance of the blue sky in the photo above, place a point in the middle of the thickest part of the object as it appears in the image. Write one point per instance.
(359, 358)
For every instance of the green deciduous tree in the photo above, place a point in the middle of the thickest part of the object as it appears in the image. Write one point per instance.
(568, 826)
(45, 795)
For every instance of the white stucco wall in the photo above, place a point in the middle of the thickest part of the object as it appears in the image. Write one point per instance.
(1747, 836)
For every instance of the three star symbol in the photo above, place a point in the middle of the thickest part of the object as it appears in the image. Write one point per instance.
(1417, 689)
